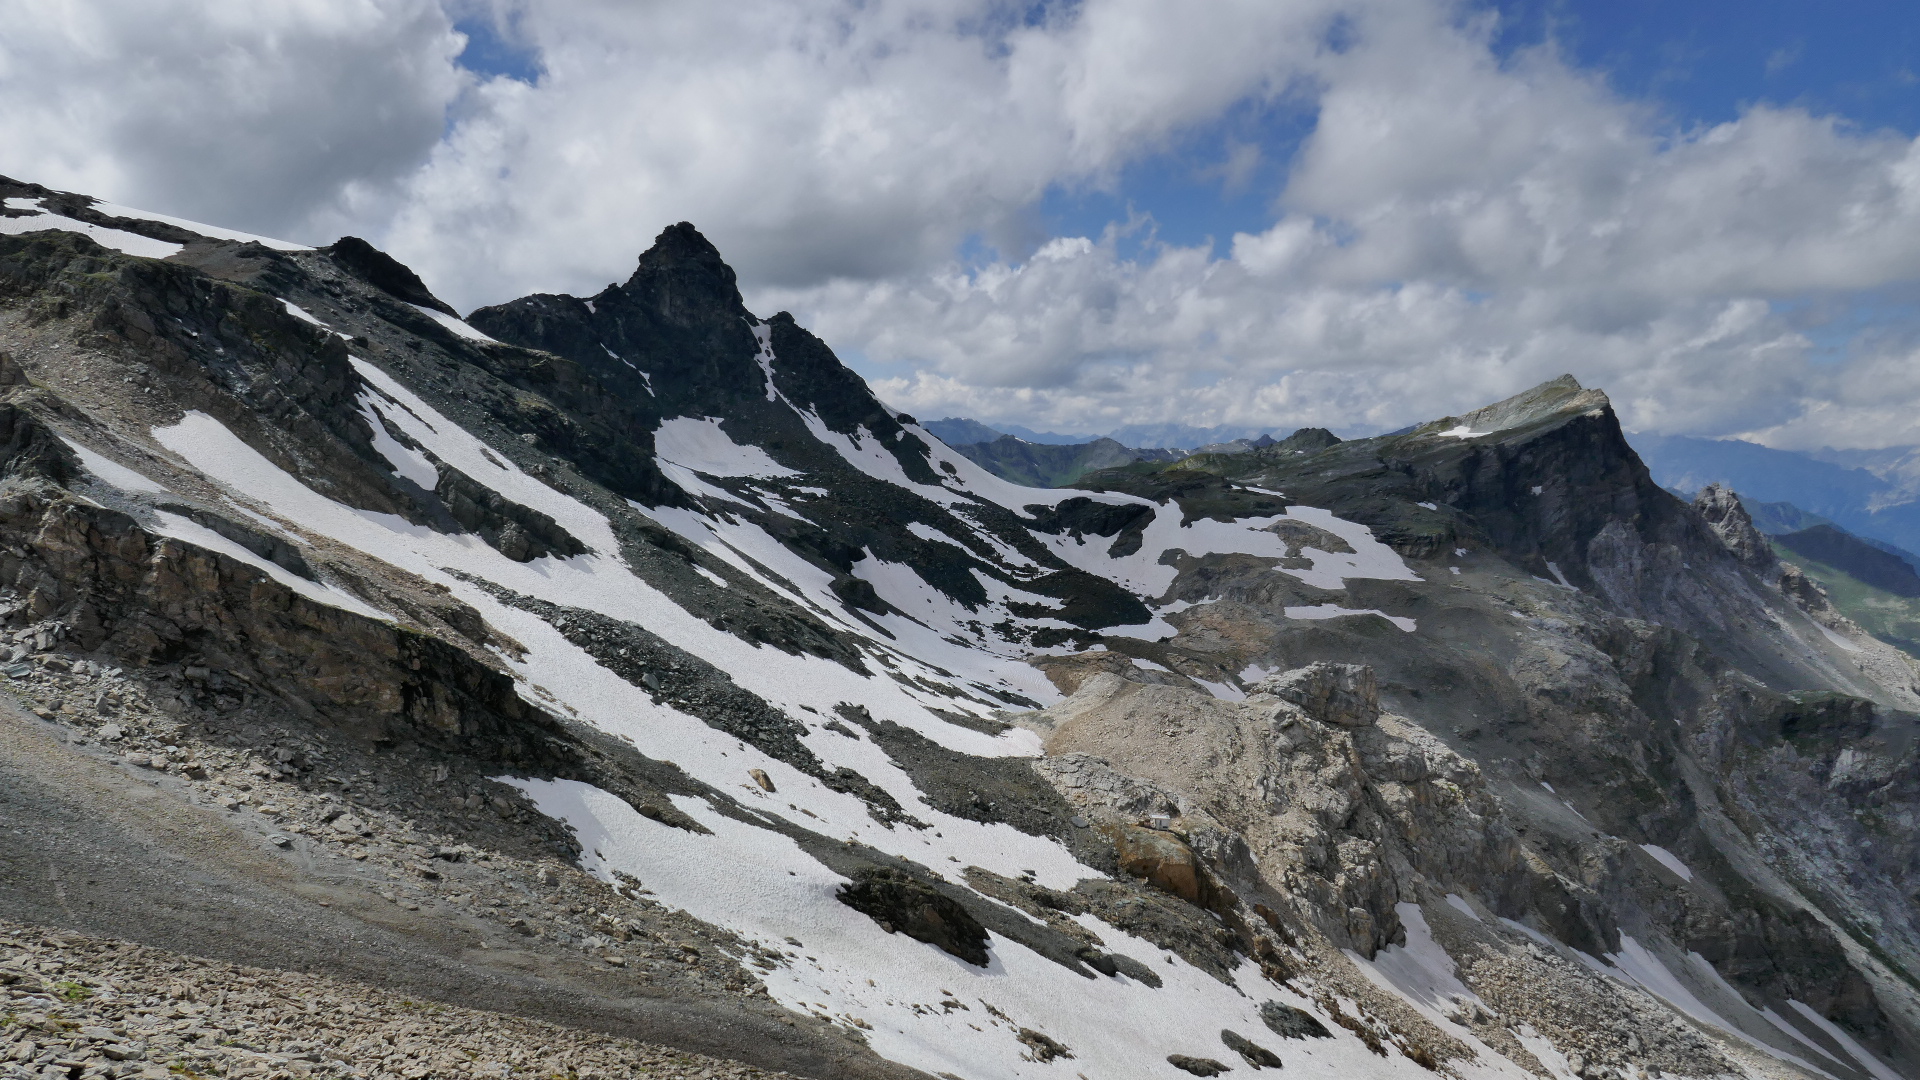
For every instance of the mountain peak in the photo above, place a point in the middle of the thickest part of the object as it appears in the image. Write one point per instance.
(1563, 396)
(383, 272)
(683, 261)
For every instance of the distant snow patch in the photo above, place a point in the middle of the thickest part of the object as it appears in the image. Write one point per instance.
(125, 242)
(1837, 639)
(1669, 860)
(1335, 611)
(1860, 1053)
(1637, 964)
(214, 232)
(114, 473)
(1459, 903)
(710, 575)
(1463, 432)
(406, 461)
(1223, 690)
(299, 312)
(697, 443)
(456, 325)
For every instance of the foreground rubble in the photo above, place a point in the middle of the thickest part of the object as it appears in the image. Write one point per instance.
(78, 1008)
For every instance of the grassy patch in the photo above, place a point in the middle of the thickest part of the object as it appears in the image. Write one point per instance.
(1893, 619)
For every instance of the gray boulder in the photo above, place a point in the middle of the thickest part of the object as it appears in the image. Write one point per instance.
(1346, 695)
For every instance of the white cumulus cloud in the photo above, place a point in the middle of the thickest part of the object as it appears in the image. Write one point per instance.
(1457, 225)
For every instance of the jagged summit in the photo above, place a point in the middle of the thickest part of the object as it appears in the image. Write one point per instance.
(383, 272)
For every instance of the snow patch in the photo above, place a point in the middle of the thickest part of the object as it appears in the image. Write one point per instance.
(406, 461)
(213, 232)
(458, 326)
(125, 242)
(300, 313)
(1335, 611)
(760, 884)
(1669, 860)
(1860, 1053)
(699, 444)
(114, 473)
(193, 532)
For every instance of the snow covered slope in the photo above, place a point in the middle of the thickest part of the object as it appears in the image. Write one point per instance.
(796, 666)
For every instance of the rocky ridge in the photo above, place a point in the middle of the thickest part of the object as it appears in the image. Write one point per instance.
(605, 629)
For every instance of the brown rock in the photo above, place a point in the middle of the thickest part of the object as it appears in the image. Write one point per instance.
(1159, 857)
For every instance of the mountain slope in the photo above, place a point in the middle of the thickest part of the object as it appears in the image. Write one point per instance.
(1042, 465)
(780, 730)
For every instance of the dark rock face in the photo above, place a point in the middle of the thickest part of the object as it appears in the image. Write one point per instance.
(901, 903)
(1291, 1023)
(1082, 516)
(383, 272)
(676, 341)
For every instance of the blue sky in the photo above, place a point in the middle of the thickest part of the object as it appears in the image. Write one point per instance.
(1700, 62)
(1088, 214)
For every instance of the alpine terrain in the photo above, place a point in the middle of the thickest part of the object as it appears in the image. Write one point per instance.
(613, 686)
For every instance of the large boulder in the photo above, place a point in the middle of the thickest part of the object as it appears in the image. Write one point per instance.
(1346, 695)
(902, 903)
(1159, 857)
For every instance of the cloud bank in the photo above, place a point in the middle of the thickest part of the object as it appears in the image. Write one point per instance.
(1457, 224)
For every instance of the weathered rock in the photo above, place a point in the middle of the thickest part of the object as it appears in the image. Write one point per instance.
(1734, 526)
(1198, 1066)
(1159, 857)
(1291, 1023)
(1042, 1047)
(902, 903)
(1346, 695)
(1252, 1052)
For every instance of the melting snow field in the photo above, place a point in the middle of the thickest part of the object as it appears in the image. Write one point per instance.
(764, 887)
(458, 326)
(1335, 611)
(757, 881)
(117, 239)
(697, 443)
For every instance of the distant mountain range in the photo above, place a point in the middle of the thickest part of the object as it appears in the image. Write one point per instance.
(1874, 494)
(955, 431)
